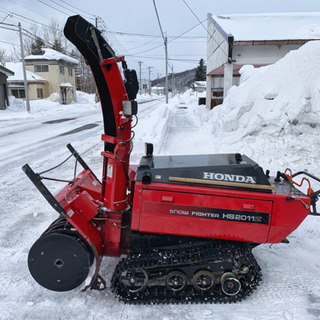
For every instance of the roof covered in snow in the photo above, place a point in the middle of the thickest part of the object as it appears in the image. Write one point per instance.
(66, 85)
(6, 71)
(270, 26)
(16, 67)
(50, 54)
(199, 84)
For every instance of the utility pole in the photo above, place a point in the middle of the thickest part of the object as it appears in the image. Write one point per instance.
(97, 97)
(172, 79)
(158, 76)
(149, 80)
(140, 62)
(166, 53)
(24, 70)
(165, 40)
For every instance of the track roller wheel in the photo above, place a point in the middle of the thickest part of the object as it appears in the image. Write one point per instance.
(204, 280)
(135, 280)
(230, 285)
(175, 281)
(59, 261)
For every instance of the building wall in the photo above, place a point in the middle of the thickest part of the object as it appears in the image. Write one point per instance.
(260, 54)
(3, 91)
(217, 48)
(32, 89)
(33, 93)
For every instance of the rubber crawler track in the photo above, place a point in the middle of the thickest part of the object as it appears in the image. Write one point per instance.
(174, 259)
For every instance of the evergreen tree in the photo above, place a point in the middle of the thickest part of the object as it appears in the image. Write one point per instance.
(37, 45)
(200, 74)
(57, 45)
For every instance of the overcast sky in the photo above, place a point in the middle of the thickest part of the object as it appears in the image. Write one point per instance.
(138, 17)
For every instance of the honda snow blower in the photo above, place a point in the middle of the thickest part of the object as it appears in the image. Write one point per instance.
(186, 224)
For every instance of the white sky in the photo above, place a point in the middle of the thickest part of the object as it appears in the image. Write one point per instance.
(139, 17)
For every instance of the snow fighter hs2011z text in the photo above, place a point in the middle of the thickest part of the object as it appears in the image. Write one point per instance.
(187, 224)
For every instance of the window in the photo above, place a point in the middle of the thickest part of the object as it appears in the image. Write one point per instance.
(70, 71)
(40, 93)
(41, 68)
(71, 93)
(61, 69)
(217, 82)
(18, 93)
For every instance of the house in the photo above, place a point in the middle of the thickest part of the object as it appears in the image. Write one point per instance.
(158, 89)
(58, 70)
(37, 86)
(256, 39)
(144, 86)
(4, 73)
(198, 86)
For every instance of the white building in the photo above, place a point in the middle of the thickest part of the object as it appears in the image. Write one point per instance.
(256, 39)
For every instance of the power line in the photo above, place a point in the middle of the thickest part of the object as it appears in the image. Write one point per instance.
(210, 35)
(7, 28)
(148, 50)
(195, 15)
(180, 36)
(161, 58)
(72, 11)
(48, 5)
(29, 19)
(20, 5)
(78, 9)
(122, 33)
(13, 44)
(175, 38)
(142, 45)
(8, 24)
(61, 6)
(115, 40)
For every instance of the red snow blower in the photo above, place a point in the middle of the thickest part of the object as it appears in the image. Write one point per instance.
(186, 224)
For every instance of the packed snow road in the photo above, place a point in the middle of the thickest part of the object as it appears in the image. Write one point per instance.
(291, 272)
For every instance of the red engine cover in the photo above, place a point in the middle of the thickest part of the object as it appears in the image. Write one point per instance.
(197, 211)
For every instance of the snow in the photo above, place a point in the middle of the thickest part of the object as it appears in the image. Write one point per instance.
(66, 84)
(273, 117)
(16, 67)
(271, 26)
(50, 54)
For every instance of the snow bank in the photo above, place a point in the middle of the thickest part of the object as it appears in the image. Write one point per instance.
(274, 113)
(83, 97)
(46, 107)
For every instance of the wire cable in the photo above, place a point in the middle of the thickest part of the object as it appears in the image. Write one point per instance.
(78, 9)
(48, 5)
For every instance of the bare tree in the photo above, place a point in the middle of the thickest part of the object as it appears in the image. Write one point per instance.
(84, 78)
(3, 57)
(30, 38)
(54, 36)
